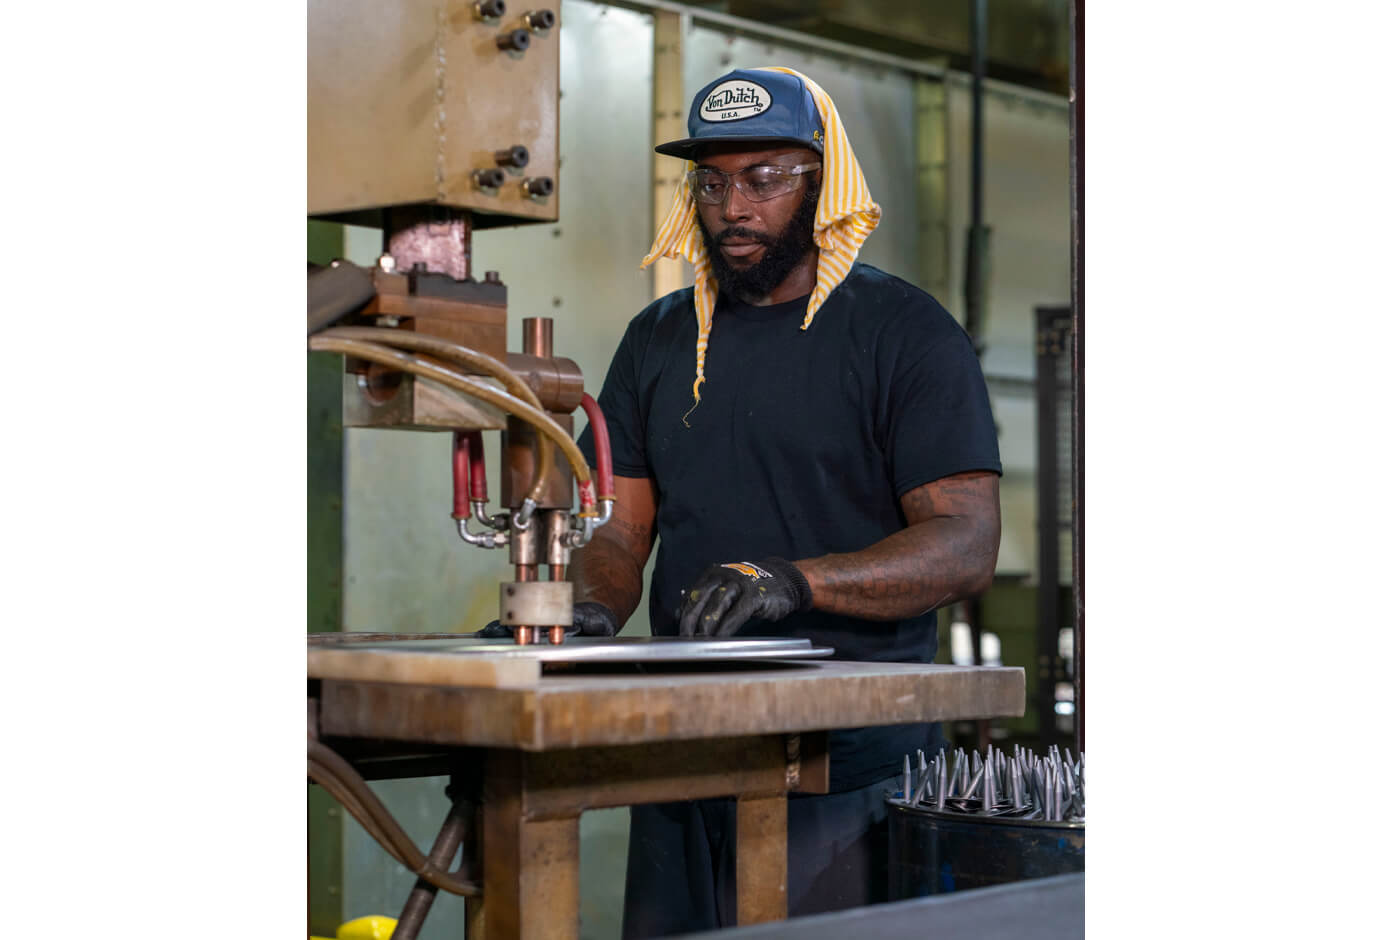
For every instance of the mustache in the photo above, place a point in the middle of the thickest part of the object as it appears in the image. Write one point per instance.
(737, 231)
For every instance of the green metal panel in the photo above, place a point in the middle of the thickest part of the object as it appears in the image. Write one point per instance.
(324, 581)
(325, 863)
(324, 498)
(324, 459)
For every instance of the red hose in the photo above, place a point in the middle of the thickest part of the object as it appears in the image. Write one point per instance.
(478, 475)
(604, 461)
(461, 476)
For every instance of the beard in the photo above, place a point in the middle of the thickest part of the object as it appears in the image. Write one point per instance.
(782, 252)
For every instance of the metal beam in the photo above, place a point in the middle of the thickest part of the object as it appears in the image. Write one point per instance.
(1075, 179)
(931, 126)
(324, 579)
(669, 123)
(1053, 326)
(790, 37)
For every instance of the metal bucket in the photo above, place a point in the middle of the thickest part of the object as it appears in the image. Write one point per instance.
(935, 853)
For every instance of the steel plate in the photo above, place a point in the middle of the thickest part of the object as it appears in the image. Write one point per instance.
(623, 649)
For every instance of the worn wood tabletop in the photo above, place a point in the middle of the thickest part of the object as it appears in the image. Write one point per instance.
(566, 710)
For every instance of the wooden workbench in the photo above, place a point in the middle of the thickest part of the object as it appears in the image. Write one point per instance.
(555, 745)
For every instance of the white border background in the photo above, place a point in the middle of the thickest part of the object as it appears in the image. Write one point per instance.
(153, 480)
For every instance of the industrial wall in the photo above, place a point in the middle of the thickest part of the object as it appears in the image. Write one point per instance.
(405, 569)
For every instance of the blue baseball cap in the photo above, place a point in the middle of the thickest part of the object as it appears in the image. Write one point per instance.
(750, 106)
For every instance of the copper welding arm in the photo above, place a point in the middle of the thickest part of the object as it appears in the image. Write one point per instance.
(539, 419)
(480, 362)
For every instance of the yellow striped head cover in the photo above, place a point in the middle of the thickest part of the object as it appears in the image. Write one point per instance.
(743, 105)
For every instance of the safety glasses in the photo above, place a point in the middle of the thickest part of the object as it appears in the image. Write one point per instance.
(755, 183)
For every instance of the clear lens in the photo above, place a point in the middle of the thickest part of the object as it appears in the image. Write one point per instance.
(756, 183)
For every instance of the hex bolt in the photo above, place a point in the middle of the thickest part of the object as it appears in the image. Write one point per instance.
(491, 178)
(538, 20)
(516, 41)
(538, 187)
(489, 9)
(514, 156)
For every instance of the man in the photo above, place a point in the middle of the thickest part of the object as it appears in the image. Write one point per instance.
(828, 469)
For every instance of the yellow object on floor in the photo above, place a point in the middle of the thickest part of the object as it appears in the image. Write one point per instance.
(368, 928)
(373, 927)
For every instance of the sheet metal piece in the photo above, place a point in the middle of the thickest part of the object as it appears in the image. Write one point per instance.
(637, 649)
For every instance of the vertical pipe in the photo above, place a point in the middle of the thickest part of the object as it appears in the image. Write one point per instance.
(536, 336)
(976, 245)
(1051, 327)
(669, 105)
(536, 341)
(976, 234)
(1075, 179)
(478, 478)
(447, 843)
(460, 467)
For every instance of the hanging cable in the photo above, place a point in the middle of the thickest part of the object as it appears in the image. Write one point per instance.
(474, 359)
(537, 418)
(328, 769)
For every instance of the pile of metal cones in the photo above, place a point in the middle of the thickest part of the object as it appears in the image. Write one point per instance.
(1021, 785)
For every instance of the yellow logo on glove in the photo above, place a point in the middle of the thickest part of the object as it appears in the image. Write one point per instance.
(753, 572)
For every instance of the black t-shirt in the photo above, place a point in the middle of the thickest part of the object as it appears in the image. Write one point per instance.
(801, 446)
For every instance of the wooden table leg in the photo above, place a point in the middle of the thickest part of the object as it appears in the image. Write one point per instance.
(531, 867)
(761, 858)
(473, 919)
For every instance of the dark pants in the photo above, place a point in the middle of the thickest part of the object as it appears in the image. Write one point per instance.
(681, 860)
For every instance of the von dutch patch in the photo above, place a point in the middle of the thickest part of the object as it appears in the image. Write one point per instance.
(735, 100)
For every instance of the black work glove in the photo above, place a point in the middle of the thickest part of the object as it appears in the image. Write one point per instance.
(591, 619)
(727, 596)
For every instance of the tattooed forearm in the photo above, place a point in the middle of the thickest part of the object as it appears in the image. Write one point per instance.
(610, 569)
(607, 572)
(947, 552)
